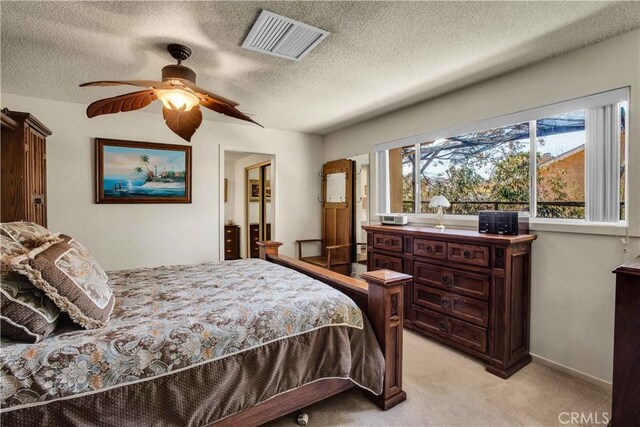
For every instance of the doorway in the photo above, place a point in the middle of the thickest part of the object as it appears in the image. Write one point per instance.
(361, 213)
(247, 202)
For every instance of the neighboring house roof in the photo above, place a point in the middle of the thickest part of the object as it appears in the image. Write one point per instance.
(562, 156)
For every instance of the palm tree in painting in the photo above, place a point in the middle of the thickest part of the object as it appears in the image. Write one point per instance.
(144, 158)
(139, 170)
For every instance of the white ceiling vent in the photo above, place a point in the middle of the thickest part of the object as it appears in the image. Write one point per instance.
(280, 36)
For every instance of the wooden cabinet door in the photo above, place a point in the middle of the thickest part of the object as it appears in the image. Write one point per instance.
(35, 177)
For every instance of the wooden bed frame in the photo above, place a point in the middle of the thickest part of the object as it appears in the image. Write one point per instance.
(380, 297)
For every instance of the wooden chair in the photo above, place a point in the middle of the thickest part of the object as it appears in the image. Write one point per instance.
(335, 258)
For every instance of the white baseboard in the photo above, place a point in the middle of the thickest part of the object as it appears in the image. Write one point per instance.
(573, 372)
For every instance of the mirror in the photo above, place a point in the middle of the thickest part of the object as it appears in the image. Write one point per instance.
(259, 207)
(361, 212)
(336, 187)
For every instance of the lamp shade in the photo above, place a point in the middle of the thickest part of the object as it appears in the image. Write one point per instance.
(439, 202)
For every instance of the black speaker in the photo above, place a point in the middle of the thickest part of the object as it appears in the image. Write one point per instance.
(502, 222)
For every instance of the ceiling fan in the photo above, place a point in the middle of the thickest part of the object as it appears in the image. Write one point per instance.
(180, 97)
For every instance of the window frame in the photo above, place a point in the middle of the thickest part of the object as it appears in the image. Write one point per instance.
(531, 116)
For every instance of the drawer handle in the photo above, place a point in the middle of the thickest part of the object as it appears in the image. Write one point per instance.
(387, 242)
(386, 265)
(442, 325)
(429, 249)
(446, 279)
(466, 254)
(446, 303)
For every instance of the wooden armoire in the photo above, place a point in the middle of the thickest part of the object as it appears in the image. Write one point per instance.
(23, 168)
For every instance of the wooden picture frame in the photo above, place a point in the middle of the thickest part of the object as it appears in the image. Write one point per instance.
(253, 190)
(142, 172)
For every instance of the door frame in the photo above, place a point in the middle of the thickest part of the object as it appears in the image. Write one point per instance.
(274, 188)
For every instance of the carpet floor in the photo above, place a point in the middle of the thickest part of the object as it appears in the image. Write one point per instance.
(448, 388)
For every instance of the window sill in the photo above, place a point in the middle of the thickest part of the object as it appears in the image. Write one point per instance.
(538, 224)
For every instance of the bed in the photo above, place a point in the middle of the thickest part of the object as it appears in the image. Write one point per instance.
(236, 342)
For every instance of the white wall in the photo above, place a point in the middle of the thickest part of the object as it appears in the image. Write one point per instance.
(232, 192)
(136, 235)
(572, 285)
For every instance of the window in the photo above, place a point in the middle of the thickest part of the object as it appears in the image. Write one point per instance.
(565, 161)
(478, 171)
(560, 166)
(402, 179)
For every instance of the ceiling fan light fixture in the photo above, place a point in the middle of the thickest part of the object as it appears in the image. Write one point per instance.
(176, 99)
(181, 98)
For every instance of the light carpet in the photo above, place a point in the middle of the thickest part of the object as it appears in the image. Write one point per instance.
(448, 388)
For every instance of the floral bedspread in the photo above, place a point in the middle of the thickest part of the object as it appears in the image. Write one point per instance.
(170, 318)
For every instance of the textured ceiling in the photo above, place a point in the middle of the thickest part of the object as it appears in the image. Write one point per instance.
(380, 55)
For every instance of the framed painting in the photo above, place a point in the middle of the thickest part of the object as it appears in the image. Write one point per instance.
(142, 172)
(254, 190)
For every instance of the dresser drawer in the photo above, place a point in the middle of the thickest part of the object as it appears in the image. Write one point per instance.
(387, 242)
(385, 262)
(464, 308)
(461, 282)
(468, 254)
(458, 331)
(430, 248)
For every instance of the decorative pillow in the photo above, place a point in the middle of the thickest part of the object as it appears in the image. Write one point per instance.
(70, 281)
(28, 234)
(26, 314)
(86, 255)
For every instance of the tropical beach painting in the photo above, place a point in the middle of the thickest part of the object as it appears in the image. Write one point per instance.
(142, 172)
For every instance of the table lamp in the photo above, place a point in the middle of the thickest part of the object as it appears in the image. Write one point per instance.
(439, 202)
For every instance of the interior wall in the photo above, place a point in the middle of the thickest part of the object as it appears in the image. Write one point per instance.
(572, 293)
(140, 235)
(232, 189)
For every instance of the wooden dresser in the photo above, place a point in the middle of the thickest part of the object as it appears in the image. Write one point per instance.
(24, 171)
(470, 290)
(626, 346)
(231, 242)
(254, 238)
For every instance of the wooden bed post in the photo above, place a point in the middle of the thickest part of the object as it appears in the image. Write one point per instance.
(380, 297)
(386, 313)
(268, 247)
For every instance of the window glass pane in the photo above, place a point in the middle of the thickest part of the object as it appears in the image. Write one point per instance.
(402, 179)
(560, 158)
(487, 170)
(623, 125)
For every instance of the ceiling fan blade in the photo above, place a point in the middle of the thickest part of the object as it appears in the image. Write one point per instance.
(206, 93)
(140, 83)
(181, 122)
(122, 103)
(226, 109)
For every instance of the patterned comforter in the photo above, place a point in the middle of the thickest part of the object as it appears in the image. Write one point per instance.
(175, 318)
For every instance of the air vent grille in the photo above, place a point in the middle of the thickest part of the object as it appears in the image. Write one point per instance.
(280, 36)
